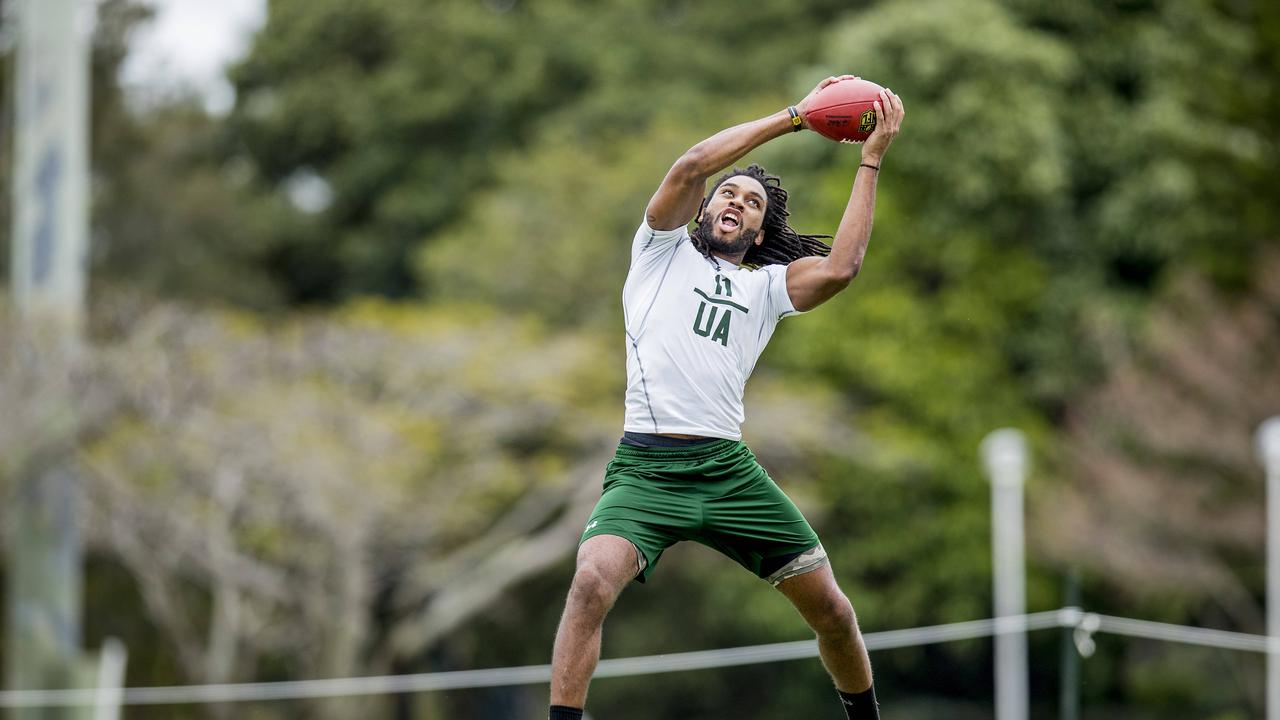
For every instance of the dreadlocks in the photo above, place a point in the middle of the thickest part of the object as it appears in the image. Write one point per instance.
(781, 243)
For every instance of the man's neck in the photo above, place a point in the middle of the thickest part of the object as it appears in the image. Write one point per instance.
(735, 259)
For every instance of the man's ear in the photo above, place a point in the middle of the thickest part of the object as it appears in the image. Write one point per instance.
(760, 238)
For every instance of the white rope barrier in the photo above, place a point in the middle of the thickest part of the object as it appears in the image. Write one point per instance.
(1181, 634)
(619, 667)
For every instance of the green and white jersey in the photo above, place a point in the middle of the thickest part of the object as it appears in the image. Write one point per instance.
(695, 328)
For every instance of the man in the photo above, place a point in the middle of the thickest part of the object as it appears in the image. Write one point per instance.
(696, 321)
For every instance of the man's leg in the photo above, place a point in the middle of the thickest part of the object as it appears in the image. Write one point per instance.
(606, 563)
(830, 614)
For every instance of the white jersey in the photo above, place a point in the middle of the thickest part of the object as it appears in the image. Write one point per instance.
(695, 328)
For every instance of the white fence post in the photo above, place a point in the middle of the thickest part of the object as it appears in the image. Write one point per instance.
(1004, 454)
(1269, 451)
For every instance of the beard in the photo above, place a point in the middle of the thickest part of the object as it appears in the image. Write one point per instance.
(705, 233)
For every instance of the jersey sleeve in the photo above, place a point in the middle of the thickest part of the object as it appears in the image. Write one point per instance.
(777, 296)
(650, 242)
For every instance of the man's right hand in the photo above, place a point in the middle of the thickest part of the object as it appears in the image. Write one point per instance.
(803, 105)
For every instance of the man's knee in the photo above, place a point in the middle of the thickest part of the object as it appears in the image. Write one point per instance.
(835, 616)
(592, 593)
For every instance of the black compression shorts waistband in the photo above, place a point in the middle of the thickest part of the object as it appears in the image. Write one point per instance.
(700, 451)
(649, 440)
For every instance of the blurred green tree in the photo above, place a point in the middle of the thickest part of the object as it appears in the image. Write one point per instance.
(402, 110)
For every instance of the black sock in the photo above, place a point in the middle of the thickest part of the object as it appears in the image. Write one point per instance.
(561, 712)
(860, 706)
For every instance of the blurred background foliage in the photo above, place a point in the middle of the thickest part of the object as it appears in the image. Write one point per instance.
(355, 363)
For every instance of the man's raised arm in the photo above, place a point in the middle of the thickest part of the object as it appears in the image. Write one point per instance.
(680, 194)
(812, 281)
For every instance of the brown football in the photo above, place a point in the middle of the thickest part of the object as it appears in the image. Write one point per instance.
(844, 110)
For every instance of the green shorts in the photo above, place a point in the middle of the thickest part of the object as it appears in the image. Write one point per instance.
(715, 493)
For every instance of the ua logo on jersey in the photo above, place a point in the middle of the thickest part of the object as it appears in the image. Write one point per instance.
(713, 318)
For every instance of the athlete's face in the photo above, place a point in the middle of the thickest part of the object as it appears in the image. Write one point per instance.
(731, 222)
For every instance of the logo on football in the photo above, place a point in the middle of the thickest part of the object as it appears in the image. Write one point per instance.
(867, 122)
